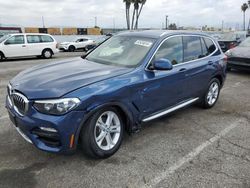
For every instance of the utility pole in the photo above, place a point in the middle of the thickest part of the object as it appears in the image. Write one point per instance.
(43, 22)
(113, 24)
(95, 21)
(166, 21)
(222, 26)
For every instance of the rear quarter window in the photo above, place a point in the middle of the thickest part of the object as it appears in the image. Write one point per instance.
(210, 45)
(46, 38)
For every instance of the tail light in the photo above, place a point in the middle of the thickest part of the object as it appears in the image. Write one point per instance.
(225, 59)
(57, 45)
(232, 45)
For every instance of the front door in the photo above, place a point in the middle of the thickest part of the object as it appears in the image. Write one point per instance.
(15, 47)
(164, 89)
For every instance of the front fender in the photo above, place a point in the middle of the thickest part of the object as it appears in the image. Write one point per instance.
(130, 122)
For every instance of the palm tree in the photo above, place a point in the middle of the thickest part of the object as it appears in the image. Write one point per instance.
(142, 2)
(244, 7)
(127, 4)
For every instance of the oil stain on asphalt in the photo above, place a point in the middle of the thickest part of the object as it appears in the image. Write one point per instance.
(20, 177)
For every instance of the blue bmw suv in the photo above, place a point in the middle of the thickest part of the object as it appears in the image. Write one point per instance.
(133, 77)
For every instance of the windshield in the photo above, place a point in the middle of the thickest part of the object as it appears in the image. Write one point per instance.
(122, 51)
(245, 43)
(4, 38)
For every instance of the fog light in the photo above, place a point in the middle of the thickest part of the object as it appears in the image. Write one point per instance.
(48, 129)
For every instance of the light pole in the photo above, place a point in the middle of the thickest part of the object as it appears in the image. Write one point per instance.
(95, 21)
(166, 21)
(43, 22)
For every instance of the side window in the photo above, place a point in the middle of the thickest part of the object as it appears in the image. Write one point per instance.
(210, 45)
(204, 48)
(18, 39)
(46, 38)
(171, 49)
(192, 48)
(33, 39)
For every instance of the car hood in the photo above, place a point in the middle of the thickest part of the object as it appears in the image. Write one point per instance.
(57, 79)
(243, 52)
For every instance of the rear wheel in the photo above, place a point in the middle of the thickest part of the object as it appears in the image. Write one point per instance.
(102, 135)
(47, 53)
(72, 48)
(212, 94)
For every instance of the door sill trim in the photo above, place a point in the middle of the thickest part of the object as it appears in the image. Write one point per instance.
(170, 110)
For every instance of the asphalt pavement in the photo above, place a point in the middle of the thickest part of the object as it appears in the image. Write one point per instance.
(189, 148)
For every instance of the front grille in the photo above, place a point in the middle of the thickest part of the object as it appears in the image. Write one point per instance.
(20, 103)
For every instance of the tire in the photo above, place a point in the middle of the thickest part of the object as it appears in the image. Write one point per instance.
(47, 54)
(94, 137)
(212, 94)
(72, 48)
(229, 68)
(1, 56)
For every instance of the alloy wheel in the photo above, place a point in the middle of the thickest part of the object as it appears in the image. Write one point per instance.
(107, 130)
(213, 93)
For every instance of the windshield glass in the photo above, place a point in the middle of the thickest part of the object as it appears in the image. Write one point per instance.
(122, 51)
(3, 38)
(245, 43)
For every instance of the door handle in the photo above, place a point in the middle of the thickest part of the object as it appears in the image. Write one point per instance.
(210, 63)
(182, 70)
(23, 45)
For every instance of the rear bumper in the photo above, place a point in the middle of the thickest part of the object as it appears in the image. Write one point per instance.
(238, 64)
(61, 128)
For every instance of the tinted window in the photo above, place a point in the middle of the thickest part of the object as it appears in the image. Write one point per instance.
(192, 48)
(46, 38)
(210, 45)
(18, 39)
(33, 39)
(172, 50)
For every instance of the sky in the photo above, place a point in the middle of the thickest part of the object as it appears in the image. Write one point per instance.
(111, 13)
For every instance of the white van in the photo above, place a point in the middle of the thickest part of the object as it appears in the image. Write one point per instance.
(28, 44)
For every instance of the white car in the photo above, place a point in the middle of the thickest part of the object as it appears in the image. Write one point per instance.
(28, 44)
(81, 43)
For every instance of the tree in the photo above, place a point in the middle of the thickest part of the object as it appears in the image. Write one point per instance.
(138, 5)
(127, 4)
(172, 26)
(244, 7)
(142, 2)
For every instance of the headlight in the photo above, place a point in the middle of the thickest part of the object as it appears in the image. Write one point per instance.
(57, 106)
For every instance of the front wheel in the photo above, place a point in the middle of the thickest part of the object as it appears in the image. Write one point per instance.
(102, 135)
(212, 94)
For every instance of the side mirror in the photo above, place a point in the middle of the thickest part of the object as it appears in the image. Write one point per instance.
(162, 64)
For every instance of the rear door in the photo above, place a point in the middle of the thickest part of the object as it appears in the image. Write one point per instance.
(34, 44)
(199, 63)
(15, 46)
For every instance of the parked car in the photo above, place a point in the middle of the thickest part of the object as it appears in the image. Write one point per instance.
(132, 78)
(231, 40)
(80, 43)
(28, 44)
(239, 57)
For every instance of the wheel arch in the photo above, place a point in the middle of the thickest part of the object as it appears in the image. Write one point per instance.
(220, 78)
(125, 113)
(2, 54)
(47, 49)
